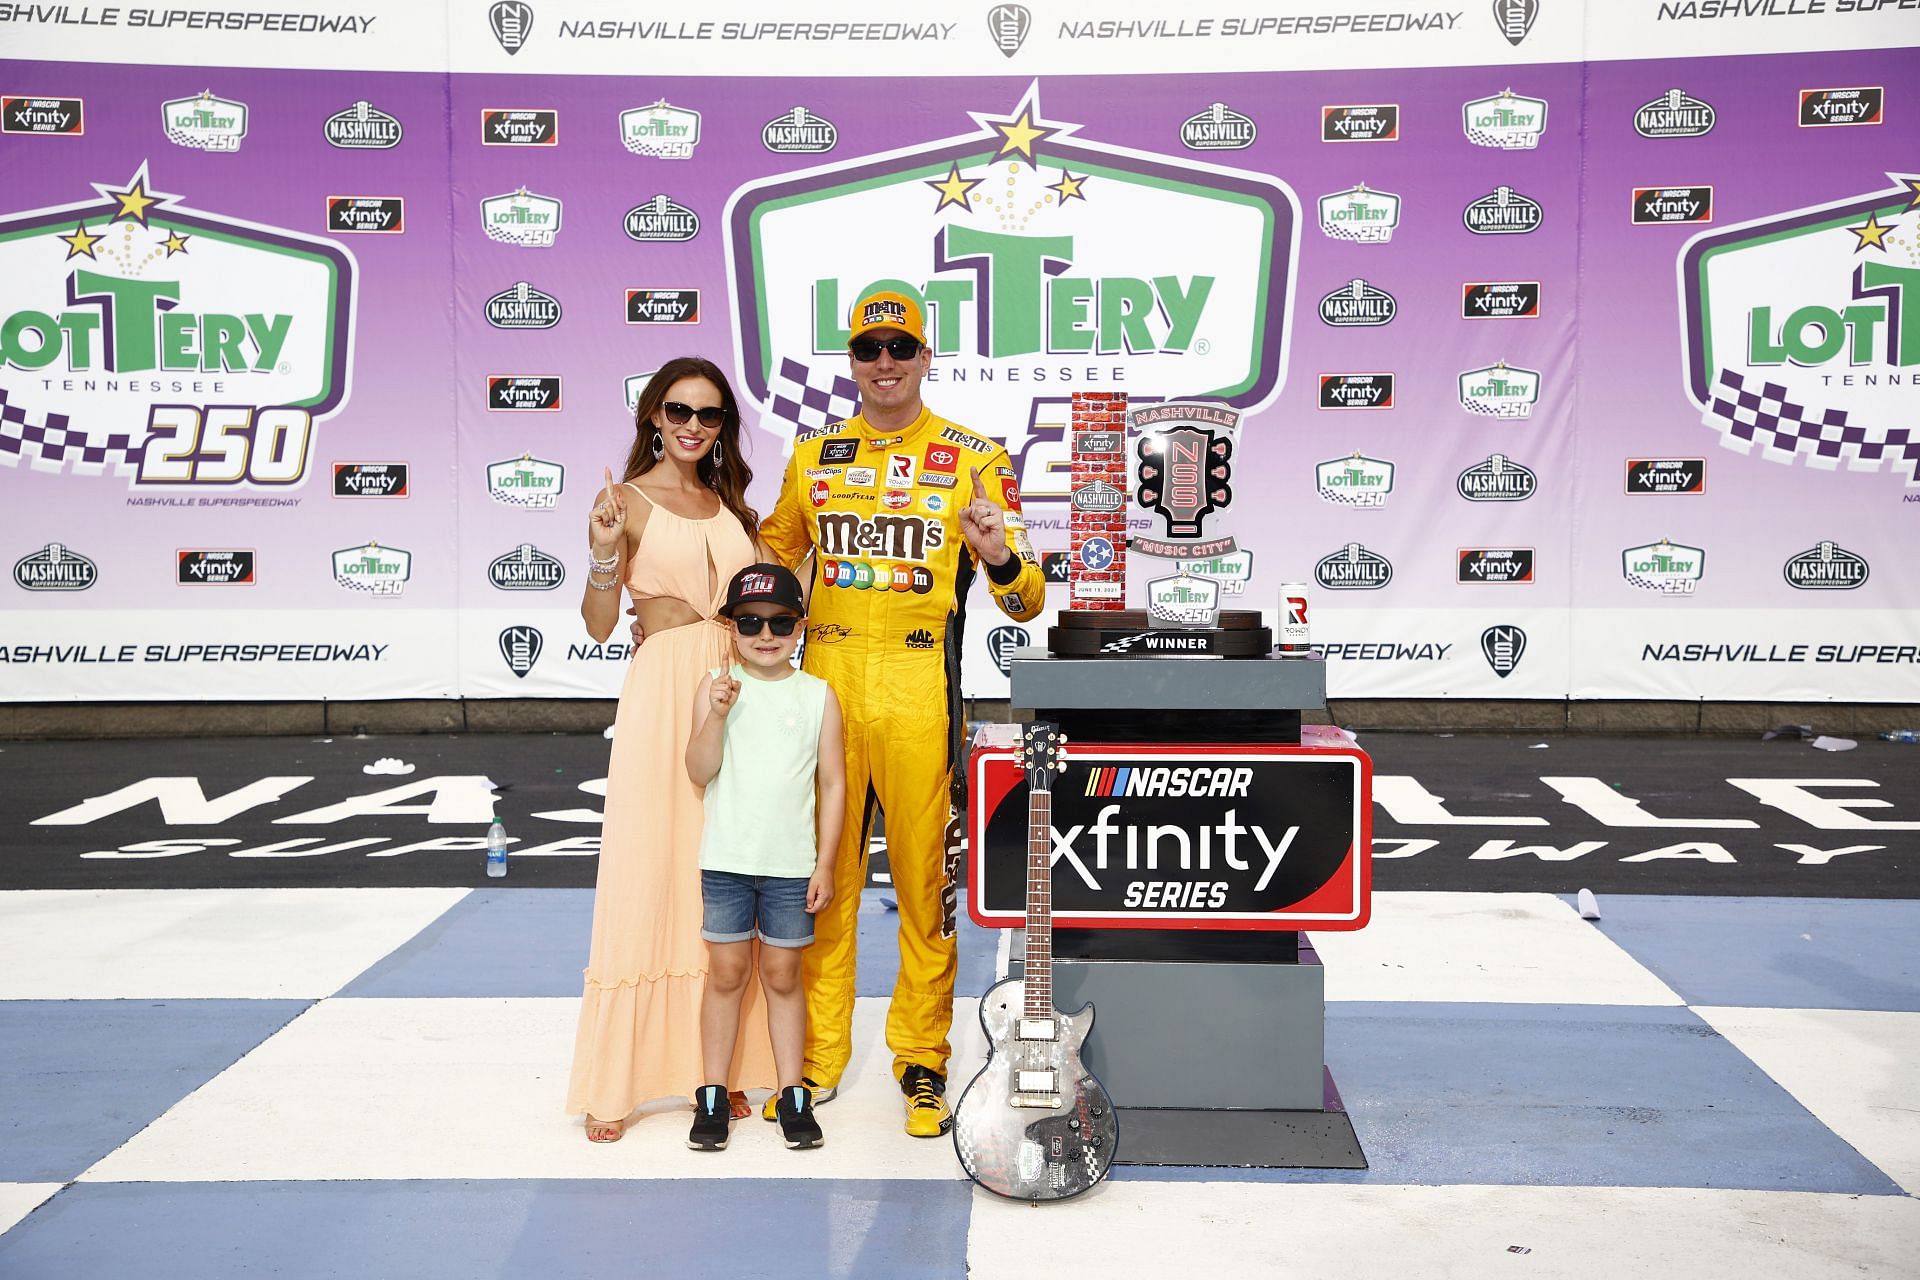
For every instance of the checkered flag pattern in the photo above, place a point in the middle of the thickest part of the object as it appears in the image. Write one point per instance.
(1503, 140)
(54, 446)
(809, 400)
(1498, 409)
(1665, 586)
(200, 141)
(1747, 415)
(1359, 235)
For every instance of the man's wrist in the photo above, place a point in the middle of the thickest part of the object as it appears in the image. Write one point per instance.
(1006, 572)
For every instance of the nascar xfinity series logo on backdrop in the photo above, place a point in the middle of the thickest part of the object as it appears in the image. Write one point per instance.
(1022, 238)
(174, 346)
(1802, 331)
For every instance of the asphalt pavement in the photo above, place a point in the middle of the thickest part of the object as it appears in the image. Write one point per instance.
(1458, 813)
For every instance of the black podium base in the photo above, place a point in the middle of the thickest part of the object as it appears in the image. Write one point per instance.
(1321, 1139)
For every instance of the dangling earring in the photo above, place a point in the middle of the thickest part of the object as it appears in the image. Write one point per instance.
(659, 446)
(716, 455)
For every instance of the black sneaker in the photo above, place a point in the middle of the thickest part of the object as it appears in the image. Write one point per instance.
(712, 1114)
(927, 1112)
(821, 1093)
(797, 1125)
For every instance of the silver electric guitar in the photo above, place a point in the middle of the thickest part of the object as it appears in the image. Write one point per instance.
(1035, 1124)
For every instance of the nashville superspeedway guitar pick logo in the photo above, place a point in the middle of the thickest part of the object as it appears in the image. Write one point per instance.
(1802, 332)
(167, 344)
(1020, 238)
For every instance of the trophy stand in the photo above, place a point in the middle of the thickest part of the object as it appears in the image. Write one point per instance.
(1209, 1030)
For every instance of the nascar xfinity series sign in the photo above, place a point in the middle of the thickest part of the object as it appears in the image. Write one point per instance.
(1186, 837)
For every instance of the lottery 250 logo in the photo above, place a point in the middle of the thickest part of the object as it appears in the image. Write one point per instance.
(171, 345)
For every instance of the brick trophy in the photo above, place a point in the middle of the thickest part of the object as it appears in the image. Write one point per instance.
(1097, 555)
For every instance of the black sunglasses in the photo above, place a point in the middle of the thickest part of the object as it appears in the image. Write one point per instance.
(748, 624)
(678, 414)
(867, 350)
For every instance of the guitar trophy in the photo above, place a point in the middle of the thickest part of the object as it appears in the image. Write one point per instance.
(1035, 1124)
(1181, 458)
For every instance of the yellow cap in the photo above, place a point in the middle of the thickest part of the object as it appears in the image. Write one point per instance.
(888, 310)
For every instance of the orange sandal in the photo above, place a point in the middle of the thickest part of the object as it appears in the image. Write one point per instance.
(741, 1108)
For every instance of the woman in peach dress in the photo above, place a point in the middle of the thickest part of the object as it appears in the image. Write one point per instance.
(674, 531)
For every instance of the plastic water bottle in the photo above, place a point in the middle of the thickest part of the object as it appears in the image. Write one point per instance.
(496, 849)
(1901, 735)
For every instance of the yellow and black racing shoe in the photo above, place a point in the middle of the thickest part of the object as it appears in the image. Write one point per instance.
(927, 1113)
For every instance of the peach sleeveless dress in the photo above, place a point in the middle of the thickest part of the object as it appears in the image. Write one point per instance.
(639, 1035)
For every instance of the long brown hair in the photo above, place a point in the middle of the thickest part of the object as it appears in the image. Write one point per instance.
(732, 476)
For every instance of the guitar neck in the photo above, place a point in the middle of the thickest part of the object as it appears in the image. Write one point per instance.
(1038, 971)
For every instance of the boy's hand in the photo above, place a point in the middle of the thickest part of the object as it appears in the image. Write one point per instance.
(819, 890)
(724, 693)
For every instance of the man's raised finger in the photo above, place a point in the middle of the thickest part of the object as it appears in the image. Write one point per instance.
(979, 487)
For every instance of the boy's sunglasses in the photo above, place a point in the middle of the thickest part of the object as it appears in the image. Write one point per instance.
(748, 624)
(867, 350)
(678, 414)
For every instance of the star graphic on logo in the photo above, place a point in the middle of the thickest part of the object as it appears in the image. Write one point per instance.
(133, 200)
(1017, 130)
(954, 189)
(1069, 187)
(1871, 232)
(1018, 136)
(136, 198)
(1096, 554)
(176, 243)
(1913, 187)
(80, 242)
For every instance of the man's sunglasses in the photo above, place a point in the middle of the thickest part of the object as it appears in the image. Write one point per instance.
(748, 624)
(867, 350)
(710, 416)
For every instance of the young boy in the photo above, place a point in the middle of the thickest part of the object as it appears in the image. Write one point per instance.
(765, 737)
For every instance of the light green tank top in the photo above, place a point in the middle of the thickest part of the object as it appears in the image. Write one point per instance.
(760, 806)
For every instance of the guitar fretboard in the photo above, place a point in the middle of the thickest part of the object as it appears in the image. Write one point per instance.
(1039, 957)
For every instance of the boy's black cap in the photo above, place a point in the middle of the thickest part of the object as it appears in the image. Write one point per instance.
(763, 584)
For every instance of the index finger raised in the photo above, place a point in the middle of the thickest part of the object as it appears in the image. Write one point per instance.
(979, 486)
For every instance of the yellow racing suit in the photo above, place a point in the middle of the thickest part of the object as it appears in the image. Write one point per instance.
(880, 514)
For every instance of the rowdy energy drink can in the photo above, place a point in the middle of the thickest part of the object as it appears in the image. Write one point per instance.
(1293, 621)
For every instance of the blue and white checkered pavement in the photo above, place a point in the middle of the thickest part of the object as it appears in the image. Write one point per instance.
(368, 1082)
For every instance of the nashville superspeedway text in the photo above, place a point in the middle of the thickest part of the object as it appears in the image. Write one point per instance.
(22, 654)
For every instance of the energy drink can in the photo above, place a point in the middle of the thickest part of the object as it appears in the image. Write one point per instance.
(1293, 621)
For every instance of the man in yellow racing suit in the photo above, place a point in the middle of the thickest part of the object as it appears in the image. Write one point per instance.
(896, 505)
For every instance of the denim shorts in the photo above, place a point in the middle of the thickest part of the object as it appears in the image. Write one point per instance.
(738, 907)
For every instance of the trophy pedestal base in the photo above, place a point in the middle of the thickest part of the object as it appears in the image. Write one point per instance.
(1131, 633)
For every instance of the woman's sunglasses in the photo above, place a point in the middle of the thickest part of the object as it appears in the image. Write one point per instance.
(867, 350)
(678, 414)
(748, 624)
